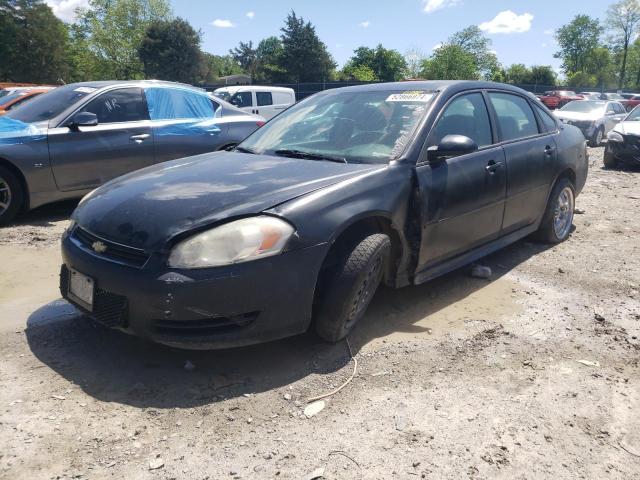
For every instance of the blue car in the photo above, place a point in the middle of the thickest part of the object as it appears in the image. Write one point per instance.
(73, 139)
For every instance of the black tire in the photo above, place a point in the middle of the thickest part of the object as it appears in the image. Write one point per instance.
(11, 196)
(347, 289)
(596, 138)
(609, 159)
(547, 232)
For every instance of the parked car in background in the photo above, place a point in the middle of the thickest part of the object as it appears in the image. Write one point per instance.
(265, 101)
(16, 99)
(396, 183)
(558, 98)
(590, 95)
(631, 102)
(10, 90)
(623, 142)
(593, 118)
(613, 97)
(67, 142)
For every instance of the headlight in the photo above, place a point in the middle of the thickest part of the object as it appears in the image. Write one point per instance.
(235, 242)
(614, 137)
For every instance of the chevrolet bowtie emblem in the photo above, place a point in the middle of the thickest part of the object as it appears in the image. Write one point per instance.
(99, 247)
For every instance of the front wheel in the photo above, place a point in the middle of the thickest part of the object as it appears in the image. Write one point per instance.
(346, 291)
(596, 138)
(11, 196)
(558, 216)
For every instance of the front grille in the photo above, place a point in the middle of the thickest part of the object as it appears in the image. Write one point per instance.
(126, 255)
(110, 309)
(203, 327)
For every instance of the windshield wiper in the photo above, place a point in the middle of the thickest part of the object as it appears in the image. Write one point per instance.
(309, 155)
(244, 150)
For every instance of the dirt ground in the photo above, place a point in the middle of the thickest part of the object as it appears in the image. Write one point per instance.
(532, 374)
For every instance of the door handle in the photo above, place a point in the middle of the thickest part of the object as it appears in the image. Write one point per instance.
(139, 138)
(257, 111)
(493, 166)
(548, 150)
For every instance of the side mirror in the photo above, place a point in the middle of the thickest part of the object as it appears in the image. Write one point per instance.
(83, 119)
(451, 146)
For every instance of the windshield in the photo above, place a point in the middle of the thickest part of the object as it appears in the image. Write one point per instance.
(355, 126)
(583, 106)
(50, 104)
(633, 116)
(223, 95)
(10, 98)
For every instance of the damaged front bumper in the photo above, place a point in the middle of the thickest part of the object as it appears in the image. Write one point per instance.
(211, 308)
(627, 151)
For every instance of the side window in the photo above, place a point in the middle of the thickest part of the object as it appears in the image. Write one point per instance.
(264, 98)
(122, 105)
(610, 109)
(167, 103)
(466, 115)
(515, 116)
(548, 121)
(618, 108)
(242, 99)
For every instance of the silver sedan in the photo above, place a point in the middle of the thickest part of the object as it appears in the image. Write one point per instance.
(594, 118)
(67, 142)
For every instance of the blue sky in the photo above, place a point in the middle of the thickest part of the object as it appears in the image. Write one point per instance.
(521, 30)
(397, 24)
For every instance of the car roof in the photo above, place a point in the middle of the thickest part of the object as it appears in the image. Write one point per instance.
(258, 88)
(432, 85)
(141, 83)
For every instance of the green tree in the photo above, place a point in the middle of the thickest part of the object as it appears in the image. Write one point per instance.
(268, 57)
(33, 43)
(623, 18)
(600, 65)
(304, 57)
(577, 41)
(581, 80)
(114, 31)
(170, 50)
(517, 74)
(473, 41)
(359, 73)
(245, 56)
(387, 65)
(217, 66)
(542, 75)
(450, 62)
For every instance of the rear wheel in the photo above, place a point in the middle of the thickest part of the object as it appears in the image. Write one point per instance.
(558, 217)
(11, 195)
(346, 291)
(596, 138)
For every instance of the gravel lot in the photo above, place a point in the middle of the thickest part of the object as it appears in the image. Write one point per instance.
(532, 374)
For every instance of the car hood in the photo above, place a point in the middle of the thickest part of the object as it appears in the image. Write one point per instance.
(628, 128)
(14, 132)
(145, 209)
(563, 115)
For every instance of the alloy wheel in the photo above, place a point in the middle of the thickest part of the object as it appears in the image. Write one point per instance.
(563, 217)
(5, 195)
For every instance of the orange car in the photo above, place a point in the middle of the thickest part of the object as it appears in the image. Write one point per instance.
(18, 98)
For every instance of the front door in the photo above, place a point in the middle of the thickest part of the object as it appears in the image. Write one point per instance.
(87, 157)
(462, 197)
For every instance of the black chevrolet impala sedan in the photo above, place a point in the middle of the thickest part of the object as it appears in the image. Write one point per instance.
(395, 183)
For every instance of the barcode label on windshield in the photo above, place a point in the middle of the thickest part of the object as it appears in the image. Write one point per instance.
(410, 96)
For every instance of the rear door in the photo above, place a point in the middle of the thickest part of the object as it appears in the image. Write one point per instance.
(86, 157)
(185, 122)
(463, 197)
(264, 105)
(530, 152)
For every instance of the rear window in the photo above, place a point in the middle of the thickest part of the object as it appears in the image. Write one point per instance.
(177, 103)
(547, 120)
(515, 116)
(264, 98)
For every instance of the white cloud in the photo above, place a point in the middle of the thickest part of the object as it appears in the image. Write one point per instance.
(251, 15)
(433, 5)
(508, 22)
(549, 31)
(544, 45)
(365, 24)
(65, 10)
(219, 23)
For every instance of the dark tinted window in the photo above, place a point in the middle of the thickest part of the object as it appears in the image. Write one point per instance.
(547, 120)
(242, 99)
(515, 116)
(122, 105)
(264, 98)
(50, 104)
(466, 115)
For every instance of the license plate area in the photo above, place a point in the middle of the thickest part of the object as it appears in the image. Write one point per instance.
(81, 289)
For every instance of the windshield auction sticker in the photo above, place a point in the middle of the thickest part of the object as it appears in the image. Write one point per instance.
(85, 89)
(411, 96)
